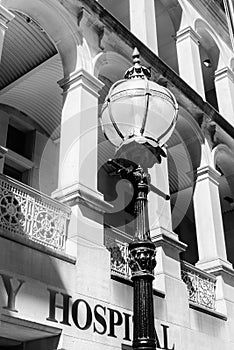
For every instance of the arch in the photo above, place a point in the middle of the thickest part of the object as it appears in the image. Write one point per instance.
(211, 59)
(232, 64)
(223, 159)
(224, 162)
(209, 39)
(111, 65)
(62, 29)
(174, 9)
(168, 19)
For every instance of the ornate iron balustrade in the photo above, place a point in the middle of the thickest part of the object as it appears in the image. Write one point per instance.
(200, 285)
(118, 250)
(27, 212)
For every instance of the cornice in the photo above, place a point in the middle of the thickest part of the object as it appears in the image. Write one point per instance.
(187, 32)
(224, 73)
(81, 78)
(208, 173)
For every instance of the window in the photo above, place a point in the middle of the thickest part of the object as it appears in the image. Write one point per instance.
(20, 145)
(20, 141)
(12, 172)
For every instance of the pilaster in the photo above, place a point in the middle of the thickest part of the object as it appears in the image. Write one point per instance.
(77, 184)
(187, 43)
(159, 205)
(168, 275)
(168, 247)
(143, 22)
(208, 219)
(5, 17)
(79, 127)
(224, 84)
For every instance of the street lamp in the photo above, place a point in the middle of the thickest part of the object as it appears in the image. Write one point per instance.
(138, 117)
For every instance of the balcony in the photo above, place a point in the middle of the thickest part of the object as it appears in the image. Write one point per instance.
(29, 213)
(200, 285)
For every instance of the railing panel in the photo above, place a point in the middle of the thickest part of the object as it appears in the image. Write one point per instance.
(27, 212)
(200, 285)
(119, 252)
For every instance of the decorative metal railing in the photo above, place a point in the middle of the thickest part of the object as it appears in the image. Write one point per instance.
(200, 285)
(27, 212)
(118, 250)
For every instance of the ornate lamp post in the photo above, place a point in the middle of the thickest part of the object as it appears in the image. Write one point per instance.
(138, 117)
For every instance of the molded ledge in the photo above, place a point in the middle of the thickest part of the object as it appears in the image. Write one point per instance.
(37, 246)
(36, 328)
(80, 194)
(216, 267)
(167, 238)
(207, 311)
(128, 282)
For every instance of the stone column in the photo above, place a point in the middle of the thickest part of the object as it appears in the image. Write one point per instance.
(77, 184)
(143, 22)
(208, 219)
(159, 207)
(187, 43)
(168, 247)
(5, 17)
(224, 84)
(79, 131)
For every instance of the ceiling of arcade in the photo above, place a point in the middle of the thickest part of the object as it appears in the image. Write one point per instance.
(30, 68)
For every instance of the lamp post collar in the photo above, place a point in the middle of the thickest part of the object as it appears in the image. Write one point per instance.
(137, 70)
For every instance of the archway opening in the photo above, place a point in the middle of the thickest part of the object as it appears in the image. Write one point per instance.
(168, 18)
(209, 56)
(184, 156)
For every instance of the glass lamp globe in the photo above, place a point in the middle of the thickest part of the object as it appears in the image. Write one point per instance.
(138, 114)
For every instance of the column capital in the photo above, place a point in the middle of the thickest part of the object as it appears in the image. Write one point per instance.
(81, 194)
(81, 78)
(208, 173)
(186, 33)
(224, 72)
(167, 239)
(5, 17)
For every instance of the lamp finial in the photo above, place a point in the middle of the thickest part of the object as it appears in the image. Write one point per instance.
(137, 70)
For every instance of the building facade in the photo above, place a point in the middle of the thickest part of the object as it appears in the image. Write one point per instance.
(65, 223)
